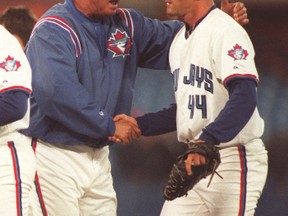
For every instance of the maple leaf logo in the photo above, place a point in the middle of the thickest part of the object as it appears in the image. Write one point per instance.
(10, 64)
(238, 53)
(119, 44)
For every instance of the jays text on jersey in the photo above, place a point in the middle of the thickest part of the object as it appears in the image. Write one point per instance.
(200, 79)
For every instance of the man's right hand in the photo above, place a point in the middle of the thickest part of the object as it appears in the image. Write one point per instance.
(126, 130)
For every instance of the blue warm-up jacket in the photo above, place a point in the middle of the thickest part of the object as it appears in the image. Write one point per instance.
(84, 70)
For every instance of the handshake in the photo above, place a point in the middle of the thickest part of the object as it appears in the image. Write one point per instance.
(126, 129)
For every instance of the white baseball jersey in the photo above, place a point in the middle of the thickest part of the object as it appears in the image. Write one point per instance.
(15, 73)
(17, 162)
(217, 50)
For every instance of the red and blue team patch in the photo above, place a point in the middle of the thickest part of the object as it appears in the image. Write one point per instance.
(10, 64)
(238, 53)
(119, 44)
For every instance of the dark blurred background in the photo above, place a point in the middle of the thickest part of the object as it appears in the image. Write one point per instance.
(140, 170)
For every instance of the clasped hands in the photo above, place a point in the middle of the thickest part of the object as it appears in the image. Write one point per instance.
(126, 129)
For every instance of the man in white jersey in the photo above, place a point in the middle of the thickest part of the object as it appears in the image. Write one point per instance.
(17, 163)
(212, 60)
(215, 81)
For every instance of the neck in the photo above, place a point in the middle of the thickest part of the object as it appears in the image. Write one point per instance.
(200, 9)
(84, 6)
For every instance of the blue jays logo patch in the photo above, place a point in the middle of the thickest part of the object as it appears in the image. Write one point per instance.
(10, 64)
(238, 53)
(119, 44)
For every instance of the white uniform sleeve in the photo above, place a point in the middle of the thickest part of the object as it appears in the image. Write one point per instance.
(15, 71)
(233, 54)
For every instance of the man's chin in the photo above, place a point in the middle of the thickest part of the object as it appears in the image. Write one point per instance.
(172, 17)
(110, 12)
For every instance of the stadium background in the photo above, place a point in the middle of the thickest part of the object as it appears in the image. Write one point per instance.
(140, 169)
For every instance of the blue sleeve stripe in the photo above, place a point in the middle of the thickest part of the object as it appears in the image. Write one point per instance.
(126, 16)
(64, 25)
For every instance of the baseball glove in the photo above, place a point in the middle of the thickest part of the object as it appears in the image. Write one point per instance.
(179, 182)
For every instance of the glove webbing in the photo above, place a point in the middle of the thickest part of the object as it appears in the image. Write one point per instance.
(215, 165)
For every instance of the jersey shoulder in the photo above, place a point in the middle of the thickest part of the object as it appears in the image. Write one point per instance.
(7, 39)
(222, 22)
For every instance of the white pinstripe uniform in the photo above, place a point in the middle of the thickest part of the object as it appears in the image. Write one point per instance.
(217, 50)
(17, 161)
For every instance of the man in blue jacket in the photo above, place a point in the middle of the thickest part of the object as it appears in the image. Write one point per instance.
(84, 55)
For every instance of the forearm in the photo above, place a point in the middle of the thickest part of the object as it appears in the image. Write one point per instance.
(13, 106)
(235, 114)
(158, 123)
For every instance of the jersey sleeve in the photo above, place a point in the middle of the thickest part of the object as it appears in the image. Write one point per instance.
(161, 122)
(235, 115)
(153, 38)
(233, 55)
(13, 107)
(15, 71)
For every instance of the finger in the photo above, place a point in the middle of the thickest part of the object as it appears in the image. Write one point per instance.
(202, 160)
(119, 117)
(124, 140)
(135, 131)
(246, 21)
(188, 168)
(242, 17)
(117, 140)
(240, 10)
(198, 160)
(240, 14)
(188, 164)
(195, 161)
(239, 7)
(129, 138)
(114, 139)
(243, 21)
(132, 134)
